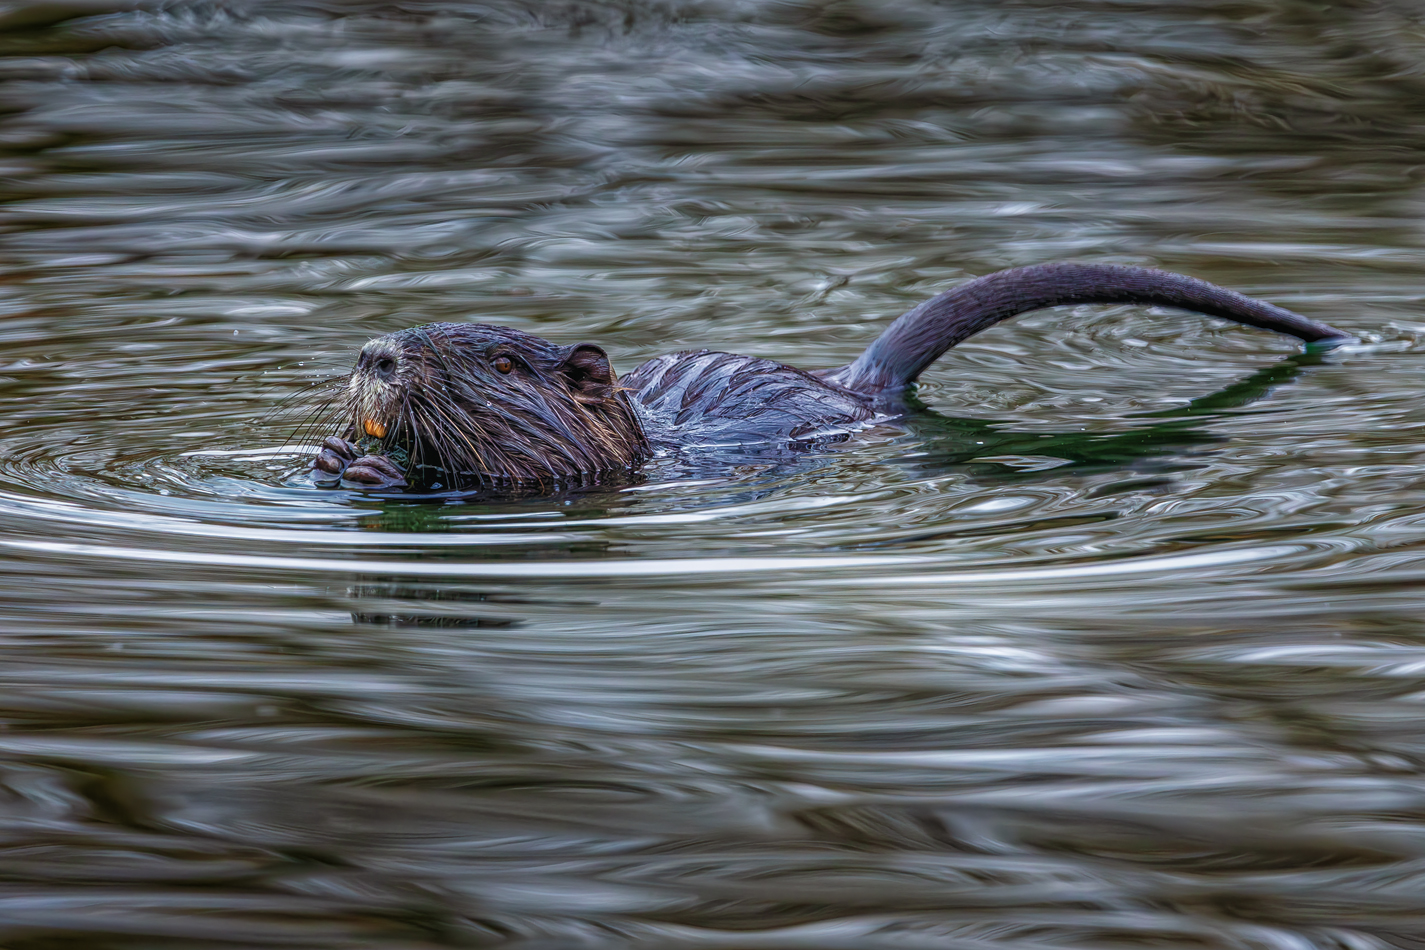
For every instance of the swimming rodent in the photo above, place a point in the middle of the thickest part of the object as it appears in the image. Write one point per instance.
(472, 406)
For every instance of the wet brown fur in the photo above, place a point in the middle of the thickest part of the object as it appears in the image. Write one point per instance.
(557, 418)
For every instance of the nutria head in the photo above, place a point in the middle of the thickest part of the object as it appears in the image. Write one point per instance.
(468, 405)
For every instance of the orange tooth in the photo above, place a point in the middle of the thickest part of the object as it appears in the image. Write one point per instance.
(374, 429)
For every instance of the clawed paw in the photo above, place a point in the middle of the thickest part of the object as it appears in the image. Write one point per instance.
(333, 459)
(373, 472)
(337, 464)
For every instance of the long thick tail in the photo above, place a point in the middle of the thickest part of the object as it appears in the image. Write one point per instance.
(918, 338)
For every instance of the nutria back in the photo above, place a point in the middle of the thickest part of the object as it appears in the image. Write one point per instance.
(705, 398)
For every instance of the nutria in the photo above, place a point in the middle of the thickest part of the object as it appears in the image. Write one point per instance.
(472, 406)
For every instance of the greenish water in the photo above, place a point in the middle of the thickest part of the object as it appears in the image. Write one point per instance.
(1118, 646)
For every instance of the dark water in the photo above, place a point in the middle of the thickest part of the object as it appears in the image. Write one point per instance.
(1121, 648)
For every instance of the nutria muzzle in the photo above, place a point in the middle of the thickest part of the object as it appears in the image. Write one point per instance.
(374, 389)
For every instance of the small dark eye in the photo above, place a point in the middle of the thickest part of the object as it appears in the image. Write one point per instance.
(504, 364)
(385, 367)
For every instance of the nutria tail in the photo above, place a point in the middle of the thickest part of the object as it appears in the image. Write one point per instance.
(919, 337)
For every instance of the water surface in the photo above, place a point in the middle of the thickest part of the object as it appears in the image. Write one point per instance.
(1117, 645)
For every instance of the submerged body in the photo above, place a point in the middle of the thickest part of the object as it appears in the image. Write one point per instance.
(473, 406)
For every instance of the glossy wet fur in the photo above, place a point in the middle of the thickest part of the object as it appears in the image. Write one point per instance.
(477, 406)
(464, 405)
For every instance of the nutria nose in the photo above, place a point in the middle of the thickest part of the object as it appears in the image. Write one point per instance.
(378, 360)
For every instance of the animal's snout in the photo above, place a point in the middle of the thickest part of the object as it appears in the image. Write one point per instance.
(379, 359)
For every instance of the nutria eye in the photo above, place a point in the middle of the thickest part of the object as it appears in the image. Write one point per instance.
(385, 367)
(504, 364)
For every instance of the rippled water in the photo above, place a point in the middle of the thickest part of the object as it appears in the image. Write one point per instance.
(1118, 646)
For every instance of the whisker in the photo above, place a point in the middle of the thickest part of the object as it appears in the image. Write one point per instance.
(462, 420)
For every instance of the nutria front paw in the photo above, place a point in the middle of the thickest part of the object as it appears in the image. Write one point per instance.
(332, 461)
(373, 472)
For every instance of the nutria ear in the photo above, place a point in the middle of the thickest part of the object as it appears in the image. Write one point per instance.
(589, 373)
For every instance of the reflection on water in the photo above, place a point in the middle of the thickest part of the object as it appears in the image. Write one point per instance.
(1118, 644)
